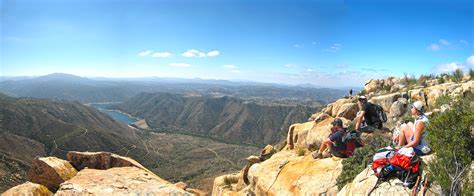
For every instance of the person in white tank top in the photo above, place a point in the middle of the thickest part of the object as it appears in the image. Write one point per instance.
(412, 134)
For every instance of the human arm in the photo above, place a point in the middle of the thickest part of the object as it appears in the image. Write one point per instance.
(359, 120)
(420, 126)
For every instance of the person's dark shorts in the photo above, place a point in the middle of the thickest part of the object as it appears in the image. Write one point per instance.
(337, 153)
(367, 129)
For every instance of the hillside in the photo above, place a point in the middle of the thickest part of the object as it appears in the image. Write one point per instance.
(38, 127)
(225, 117)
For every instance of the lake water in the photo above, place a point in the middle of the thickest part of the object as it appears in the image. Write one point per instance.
(114, 114)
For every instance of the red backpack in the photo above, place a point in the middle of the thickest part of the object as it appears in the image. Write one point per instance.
(404, 164)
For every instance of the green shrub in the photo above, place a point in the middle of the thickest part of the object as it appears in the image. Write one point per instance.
(441, 79)
(443, 99)
(422, 79)
(457, 75)
(471, 73)
(450, 137)
(301, 151)
(355, 164)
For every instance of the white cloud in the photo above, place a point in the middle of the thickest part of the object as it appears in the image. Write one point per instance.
(190, 53)
(297, 45)
(232, 68)
(448, 67)
(289, 65)
(314, 43)
(161, 54)
(197, 53)
(444, 42)
(213, 53)
(334, 48)
(145, 53)
(180, 65)
(433, 47)
(229, 66)
(470, 61)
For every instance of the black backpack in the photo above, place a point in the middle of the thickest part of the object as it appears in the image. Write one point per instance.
(381, 115)
(378, 115)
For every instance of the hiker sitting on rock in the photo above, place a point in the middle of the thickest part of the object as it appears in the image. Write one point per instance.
(334, 142)
(367, 119)
(411, 134)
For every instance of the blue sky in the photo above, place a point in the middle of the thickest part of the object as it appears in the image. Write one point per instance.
(327, 43)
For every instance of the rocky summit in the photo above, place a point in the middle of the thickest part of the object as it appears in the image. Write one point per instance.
(95, 173)
(293, 171)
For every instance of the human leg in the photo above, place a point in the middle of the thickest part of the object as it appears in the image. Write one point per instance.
(405, 133)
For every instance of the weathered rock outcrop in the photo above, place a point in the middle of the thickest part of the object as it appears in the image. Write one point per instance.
(101, 160)
(397, 109)
(50, 172)
(28, 188)
(288, 174)
(304, 135)
(117, 181)
(373, 85)
(386, 100)
(348, 111)
(100, 173)
(284, 174)
(365, 181)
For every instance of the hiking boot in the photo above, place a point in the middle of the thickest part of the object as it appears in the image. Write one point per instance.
(317, 155)
(326, 154)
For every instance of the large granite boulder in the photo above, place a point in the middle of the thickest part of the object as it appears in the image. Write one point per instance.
(397, 109)
(50, 172)
(28, 188)
(101, 160)
(118, 181)
(288, 174)
(373, 85)
(348, 111)
(385, 100)
(305, 135)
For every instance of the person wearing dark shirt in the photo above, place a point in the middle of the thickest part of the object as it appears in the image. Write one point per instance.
(333, 142)
(367, 120)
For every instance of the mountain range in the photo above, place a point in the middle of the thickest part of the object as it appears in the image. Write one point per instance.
(87, 90)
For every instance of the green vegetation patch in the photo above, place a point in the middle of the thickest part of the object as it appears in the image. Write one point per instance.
(451, 139)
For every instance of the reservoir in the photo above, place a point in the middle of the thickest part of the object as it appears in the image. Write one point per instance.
(118, 116)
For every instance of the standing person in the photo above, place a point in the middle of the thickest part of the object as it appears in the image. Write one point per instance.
(367, 120)
(412, 134)
(350, 93)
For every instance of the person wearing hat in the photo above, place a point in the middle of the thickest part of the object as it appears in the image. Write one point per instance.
(367, 119)
(333, 142)
(412, 134)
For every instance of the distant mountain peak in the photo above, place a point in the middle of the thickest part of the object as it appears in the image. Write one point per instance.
(60, 76)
